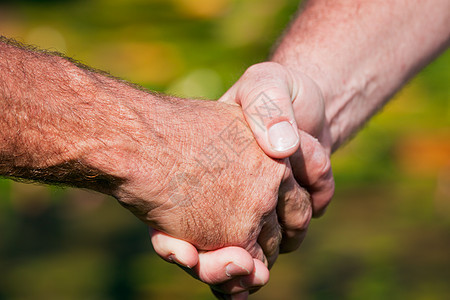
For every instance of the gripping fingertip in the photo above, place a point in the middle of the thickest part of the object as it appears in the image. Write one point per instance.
(174, 250)
(185, 263)
(261, 272)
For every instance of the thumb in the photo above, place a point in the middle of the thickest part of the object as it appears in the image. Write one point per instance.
(265, 93)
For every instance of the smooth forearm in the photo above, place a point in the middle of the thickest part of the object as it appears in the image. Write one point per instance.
(361, 52)
(64, 124)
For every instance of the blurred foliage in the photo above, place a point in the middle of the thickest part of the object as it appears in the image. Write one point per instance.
(386, 234)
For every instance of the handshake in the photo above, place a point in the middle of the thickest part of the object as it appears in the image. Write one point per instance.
(221, 206)
(225, 185)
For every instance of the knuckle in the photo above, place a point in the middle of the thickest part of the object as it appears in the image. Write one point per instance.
(321, 164)
(304, 211)
(300, 213)
(324, 162)
(274, 242)
(301, 222)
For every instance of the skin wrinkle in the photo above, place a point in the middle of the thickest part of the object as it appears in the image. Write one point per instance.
(214, 217)
(303, 207)
(216, 226)
(214, 221)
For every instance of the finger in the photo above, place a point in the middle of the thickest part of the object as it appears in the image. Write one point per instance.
(270, 237)
(308, 105)
(258, 278)
(218, 266)
(174, 250)
(294, 212)
(312, 169)
(211, 267)
(265, 93)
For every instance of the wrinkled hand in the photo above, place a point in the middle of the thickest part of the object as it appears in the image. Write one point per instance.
(214, 188)
(270, 93)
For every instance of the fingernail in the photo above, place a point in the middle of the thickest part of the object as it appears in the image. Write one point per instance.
(174, 259)
(233, 269)
(249, 282)
(282, 136)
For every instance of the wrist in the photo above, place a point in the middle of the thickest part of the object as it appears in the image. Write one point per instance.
(101, 128)
(126, 136)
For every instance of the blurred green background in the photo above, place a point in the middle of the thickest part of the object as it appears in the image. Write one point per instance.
(385, 236)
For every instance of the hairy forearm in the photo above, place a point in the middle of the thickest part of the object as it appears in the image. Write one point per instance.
(361, 52)
(64, 124)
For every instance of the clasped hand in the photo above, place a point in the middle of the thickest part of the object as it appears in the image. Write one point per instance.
(225, 208)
